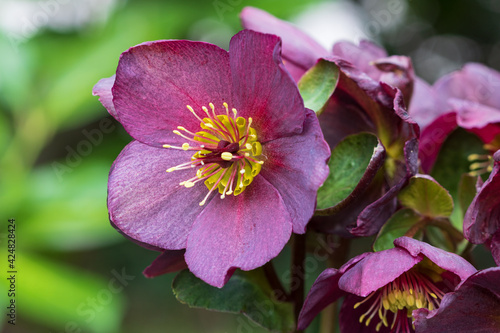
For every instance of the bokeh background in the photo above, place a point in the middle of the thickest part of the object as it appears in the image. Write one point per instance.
(57, 143)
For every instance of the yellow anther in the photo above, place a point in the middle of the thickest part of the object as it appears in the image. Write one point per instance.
(177, 132)
(171, 169)
(181, 128)
(392, 298)
(418, 303)
(226, 156)
(248, 146)
(188, 184)
(234, 112)
(203, 202)
(185, 146)
(410, 300)
(385, 303)
(167, 146)
(433, 295)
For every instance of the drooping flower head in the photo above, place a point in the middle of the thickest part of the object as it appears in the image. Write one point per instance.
(301, 52)
(382, 289)
(216, 168)
(371, 95)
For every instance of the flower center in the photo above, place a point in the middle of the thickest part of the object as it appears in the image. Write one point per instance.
(225, 151)
(412, 290)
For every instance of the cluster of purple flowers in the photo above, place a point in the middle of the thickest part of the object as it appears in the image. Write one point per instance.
(226, 163)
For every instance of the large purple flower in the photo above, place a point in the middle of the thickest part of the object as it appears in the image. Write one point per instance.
(382, 289)
(240, 176)
(473, 307)
(482, 219)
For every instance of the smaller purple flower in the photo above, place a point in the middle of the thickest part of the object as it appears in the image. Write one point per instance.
(466, 98)
(482, 219)
(474, 306)
(301, 52)
(382, 289)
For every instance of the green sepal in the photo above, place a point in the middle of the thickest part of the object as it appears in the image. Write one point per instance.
(427, 197)
(318, 84)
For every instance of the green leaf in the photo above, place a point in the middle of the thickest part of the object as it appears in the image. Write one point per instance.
(426, 197)
(397, 226)
(318, 84)
(452, 163)
(348, 164)
(245, 292)
(67, 299)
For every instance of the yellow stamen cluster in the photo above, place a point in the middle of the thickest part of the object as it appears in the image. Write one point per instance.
(226, 150)
(412, 290)
(481, 164)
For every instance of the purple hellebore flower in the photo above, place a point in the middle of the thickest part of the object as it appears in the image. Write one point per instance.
(465, 98)
(474, 306)
(365, 99)
(382, 289)
(214, 121)
(301, 52)
(482, 219)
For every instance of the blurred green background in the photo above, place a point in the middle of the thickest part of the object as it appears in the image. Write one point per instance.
(57, 143)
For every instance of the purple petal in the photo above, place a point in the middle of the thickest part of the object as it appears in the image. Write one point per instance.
(297, 166)
(474, 115)
(299, 50)
(423, 106)
(397, 71)
(103, 90)
(473, 307)
(433, 137)
(263, 89)
(474, 82)
(147, 203)
(167, 262)
(482, 218)
(361, 56)
(376, 270)
(244, 232)
(446, 260)
(495, 247)
(324, 291)
(156, 80)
